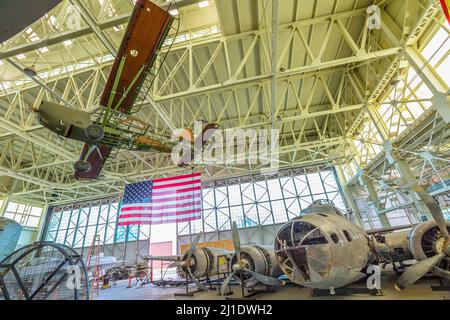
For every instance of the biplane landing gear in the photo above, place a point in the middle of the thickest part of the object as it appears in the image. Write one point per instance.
(94, 132)
(82, 166)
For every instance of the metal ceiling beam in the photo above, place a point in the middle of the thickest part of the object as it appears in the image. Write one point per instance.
(87, 16)
(61, 37)
(309, 69)
(10, 127)
(37, 81)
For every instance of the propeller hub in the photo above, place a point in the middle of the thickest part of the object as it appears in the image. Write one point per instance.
(237, 266)
(443, 245)
(446, 247)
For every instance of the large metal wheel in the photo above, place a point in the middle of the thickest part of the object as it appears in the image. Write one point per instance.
(82, 166)
(94, 132)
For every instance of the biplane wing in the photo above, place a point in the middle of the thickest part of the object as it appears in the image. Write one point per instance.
(146, 31)
(96, 159)
(148, 26)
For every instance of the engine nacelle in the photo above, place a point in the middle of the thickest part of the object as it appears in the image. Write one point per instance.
(260, 259)
(204, 262)
(424, 241)
(392, 247)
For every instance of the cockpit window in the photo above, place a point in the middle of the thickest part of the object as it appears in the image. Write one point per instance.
(307, 234)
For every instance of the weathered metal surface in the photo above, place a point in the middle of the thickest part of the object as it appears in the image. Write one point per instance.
(9, 236)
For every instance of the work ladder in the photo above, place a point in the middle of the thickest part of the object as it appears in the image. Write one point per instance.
(94, 266)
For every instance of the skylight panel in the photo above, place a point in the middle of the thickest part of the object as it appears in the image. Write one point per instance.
(52, 20)
(203, 4)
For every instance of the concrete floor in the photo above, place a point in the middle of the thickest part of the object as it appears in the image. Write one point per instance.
(419, 291)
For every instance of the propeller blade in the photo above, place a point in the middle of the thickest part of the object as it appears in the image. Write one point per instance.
(226, 282)
(417, 271)
(435, 210)
(236, 241)
(175, 264)
(265, 279)
(194, 245)
(197, 283)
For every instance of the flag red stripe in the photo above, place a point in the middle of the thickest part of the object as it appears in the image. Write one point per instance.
(158, 215)
(445, 9)
(127, 223)
(177, 198)
(154, 208)
(165, 203)
(177, 184)
(163, 193)
(197, 174)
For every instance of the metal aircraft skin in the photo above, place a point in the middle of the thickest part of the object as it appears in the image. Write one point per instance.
(323, 249)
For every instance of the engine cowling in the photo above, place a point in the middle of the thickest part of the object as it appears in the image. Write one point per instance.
(203, 262)
(260, 259)
(424, 241)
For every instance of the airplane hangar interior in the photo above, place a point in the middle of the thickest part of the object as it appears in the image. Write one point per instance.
(224, 150)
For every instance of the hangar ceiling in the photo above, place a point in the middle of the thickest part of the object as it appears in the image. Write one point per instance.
(332, 77)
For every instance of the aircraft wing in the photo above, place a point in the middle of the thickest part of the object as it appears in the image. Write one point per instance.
(161, 258)
(146, 31)
(96, 159)
(16, 15)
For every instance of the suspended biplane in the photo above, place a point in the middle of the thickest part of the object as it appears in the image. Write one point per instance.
(114, 125)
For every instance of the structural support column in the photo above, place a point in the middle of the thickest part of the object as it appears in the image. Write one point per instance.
(3, 207)
(437, 86)
(375, 201)
(356, 216)
(410, 181)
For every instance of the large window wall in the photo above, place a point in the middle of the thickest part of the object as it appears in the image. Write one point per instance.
(250, 201)
(76, 225)
(260, 200)
(27, 215)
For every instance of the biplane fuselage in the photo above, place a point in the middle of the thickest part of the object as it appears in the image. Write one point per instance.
(77, 125)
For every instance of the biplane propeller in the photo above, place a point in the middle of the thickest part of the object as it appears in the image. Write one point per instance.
(114, 125)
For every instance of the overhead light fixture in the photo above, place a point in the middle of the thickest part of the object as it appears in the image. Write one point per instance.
(203, 4)
(117, 28)
(1, 62)
(43, 49)
(20, 56)
(68, 42)
(174, 12)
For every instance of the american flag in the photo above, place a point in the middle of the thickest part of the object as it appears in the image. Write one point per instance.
(165, 200)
